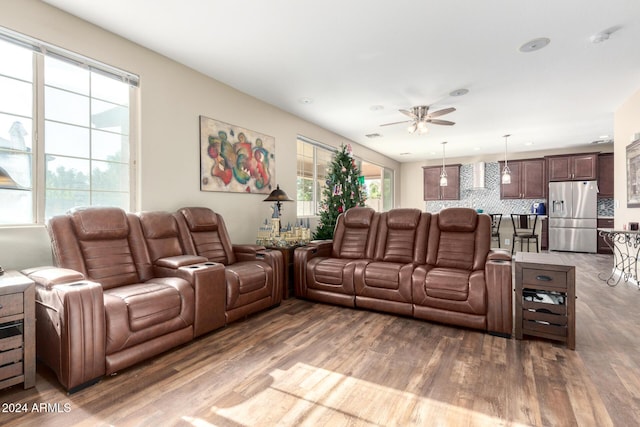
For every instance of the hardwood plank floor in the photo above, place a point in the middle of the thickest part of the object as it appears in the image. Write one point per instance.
(312, 364)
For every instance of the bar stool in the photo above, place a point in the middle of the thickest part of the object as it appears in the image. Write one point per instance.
(524, 228)
(495, 226)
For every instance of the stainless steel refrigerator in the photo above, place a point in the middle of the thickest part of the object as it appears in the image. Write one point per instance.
(573, 212)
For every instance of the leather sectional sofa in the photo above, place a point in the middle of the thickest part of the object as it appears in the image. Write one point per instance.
(130, 286)
(437, 267)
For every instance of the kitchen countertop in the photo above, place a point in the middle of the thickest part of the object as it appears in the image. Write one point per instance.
(605, 217)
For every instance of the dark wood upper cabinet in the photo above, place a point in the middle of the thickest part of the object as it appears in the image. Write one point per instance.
(574, 167)
(432, 188)
(527, 180)
(605, 175)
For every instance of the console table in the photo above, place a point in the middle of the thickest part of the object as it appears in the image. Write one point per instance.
(625, 245)
(545, 297)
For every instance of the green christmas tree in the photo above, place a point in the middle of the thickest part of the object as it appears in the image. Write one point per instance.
(344, 190)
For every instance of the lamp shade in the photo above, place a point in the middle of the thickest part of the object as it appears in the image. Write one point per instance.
(278, 195)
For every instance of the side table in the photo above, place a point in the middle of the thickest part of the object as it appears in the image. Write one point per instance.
(545, 297)
(287, 258)
(17, 330)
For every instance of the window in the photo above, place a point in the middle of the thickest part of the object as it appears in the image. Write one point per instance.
(313, 162)
(314, 159)
(378, 185)
(79, 112)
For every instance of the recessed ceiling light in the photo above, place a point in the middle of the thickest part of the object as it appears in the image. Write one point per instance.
(476, 149)
(535, 44)
(528, 143)
(459, 92)
(604, 136)
(305, 100)
(376, 107)
(373, 135)
(405, 154)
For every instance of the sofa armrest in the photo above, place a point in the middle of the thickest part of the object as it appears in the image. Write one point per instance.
(175, 262)
(247, 249)
(302, 255)
(48, 276)
(209, 286)
(499, 296)
(70, 326)
(499, 255)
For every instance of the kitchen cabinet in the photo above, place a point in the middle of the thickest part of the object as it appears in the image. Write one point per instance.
(603, 248)
(432, 188)
(544, 234)
(605, 175)
(574, 167)
(527, 180)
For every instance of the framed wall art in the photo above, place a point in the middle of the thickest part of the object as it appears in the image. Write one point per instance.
(633, 174)
(234, 159)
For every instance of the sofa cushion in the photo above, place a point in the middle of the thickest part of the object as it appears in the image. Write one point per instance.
(143, 311)
(358, 217)
(200, 219)
(457, 219)
(456, 250)
(447, 283)
(98, 223)
(247, 282)
(158, 225)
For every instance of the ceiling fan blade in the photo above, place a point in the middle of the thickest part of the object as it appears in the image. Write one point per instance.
(441, 112)
(440, 122)
(397, 123)
(408, 113)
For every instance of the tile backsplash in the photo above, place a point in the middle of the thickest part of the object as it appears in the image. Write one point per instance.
(488, 198)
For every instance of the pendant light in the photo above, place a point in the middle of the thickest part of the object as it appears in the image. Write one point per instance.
(506, 172)
(443, 175)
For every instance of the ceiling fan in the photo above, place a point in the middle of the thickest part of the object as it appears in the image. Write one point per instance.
(420, 116)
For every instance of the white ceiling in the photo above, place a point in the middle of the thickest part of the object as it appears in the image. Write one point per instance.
(350, 55)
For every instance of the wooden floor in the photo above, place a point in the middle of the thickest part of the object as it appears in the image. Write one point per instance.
(312, 364)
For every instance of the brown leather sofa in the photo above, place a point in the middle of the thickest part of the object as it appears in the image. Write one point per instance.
(125, 290)
(436, 267)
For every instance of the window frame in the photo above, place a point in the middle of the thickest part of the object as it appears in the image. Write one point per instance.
(41, 50)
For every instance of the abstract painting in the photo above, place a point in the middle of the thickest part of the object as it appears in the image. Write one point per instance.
(235, 159)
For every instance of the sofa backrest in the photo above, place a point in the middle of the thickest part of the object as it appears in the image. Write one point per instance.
(160, 231)
(354, 235)
(103, 243)
(459, 238)
(402, 236)
(203, 232)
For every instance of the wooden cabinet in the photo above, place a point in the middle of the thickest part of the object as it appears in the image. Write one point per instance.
(432, 188)
(574, 167)
(544, 234)
(527, 180)
(605, 175)
(603, 248)
(545, 297)
(287, 260)
(17, 330)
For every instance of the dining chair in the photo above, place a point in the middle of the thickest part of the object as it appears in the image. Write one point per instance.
(524, 228)
(495, 226)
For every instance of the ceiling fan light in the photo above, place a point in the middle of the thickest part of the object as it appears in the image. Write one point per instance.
(412, 128)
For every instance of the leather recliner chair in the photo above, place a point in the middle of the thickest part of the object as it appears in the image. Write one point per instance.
(105, 309)
(325, 271)
(254, 275)
(462, 281)
(401, 242)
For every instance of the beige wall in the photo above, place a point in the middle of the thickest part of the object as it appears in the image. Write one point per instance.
(627, 124)
(172, 97)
